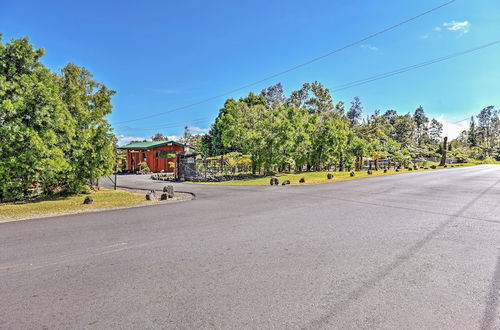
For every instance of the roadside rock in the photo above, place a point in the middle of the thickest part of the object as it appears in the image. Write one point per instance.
(151, 196)
(274, 181)
(88, 200)
(302, 180)
(169, 190)
(286, 182)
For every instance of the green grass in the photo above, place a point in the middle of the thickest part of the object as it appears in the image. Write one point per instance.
(55, 205)
(318, 177)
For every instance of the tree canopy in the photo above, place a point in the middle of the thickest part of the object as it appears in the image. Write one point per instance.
(54, 134)
(308, 130)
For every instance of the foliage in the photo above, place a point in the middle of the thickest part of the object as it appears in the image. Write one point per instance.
(143, 167)
(54, 134)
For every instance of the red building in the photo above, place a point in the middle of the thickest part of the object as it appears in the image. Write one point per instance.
(159, 155)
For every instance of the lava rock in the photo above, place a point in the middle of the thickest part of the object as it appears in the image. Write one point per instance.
(164, 196)
(302, 180)
(352, 174)
(88, 200)
(169, 190)
(151, 196)
(274, 181)
(385, 170)
(285, 182)
(329, 176)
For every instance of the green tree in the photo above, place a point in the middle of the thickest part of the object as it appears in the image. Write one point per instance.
(52, 126)
(355, 111)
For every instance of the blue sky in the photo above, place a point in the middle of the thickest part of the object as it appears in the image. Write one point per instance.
(161, 55)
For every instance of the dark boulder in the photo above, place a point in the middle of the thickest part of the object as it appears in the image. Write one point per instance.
(285, 182)
(169, 190)
(385, 170)
(329, 176)
(274, 181)
(164, 196)
(433, 167)
(397, 170)
(151, 196)
(369, 172)
(352, 174)
(88, 200)
(302, 180)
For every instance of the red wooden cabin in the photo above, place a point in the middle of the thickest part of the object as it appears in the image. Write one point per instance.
(157, 154)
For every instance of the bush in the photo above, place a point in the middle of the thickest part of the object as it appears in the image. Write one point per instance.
(143, 167)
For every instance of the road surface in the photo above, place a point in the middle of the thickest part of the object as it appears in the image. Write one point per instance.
(408, 251)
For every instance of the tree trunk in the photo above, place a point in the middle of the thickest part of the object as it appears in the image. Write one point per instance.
(445, 147)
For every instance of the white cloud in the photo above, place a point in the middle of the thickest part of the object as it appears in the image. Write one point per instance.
(370, 47)
(198, 130)
(123, 139)
(453, 130)
(437, 28)
(462, 27)
(173, 138)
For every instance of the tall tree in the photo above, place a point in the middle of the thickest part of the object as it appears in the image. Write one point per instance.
(274, 95)
(435, 130)
(159, 137)
(472, 134)
(54, 134)
(421, 122)
(355, 111)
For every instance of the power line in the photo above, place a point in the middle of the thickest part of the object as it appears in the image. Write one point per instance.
(372, 78)
(373, 35)
(169, 125)
(411, 67)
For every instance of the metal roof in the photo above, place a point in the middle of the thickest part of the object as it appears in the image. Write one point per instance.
(149, 144)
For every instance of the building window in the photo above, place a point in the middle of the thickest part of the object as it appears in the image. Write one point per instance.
(143, 156)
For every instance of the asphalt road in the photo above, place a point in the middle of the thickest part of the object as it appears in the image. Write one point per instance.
(409, 251)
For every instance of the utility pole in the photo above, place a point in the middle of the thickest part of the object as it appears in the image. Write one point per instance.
(116, 170)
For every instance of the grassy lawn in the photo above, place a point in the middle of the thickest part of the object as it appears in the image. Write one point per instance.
(318, 177)
(71, 204)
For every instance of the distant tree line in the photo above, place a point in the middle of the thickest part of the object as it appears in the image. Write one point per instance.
(482, 139)
(307, 130)
(53, 132)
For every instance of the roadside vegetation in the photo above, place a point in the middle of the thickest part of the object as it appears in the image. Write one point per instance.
(271, 132)
(53, 132)
(58, 204)
(317, 177)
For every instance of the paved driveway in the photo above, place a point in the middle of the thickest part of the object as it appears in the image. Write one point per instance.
(408, 251)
